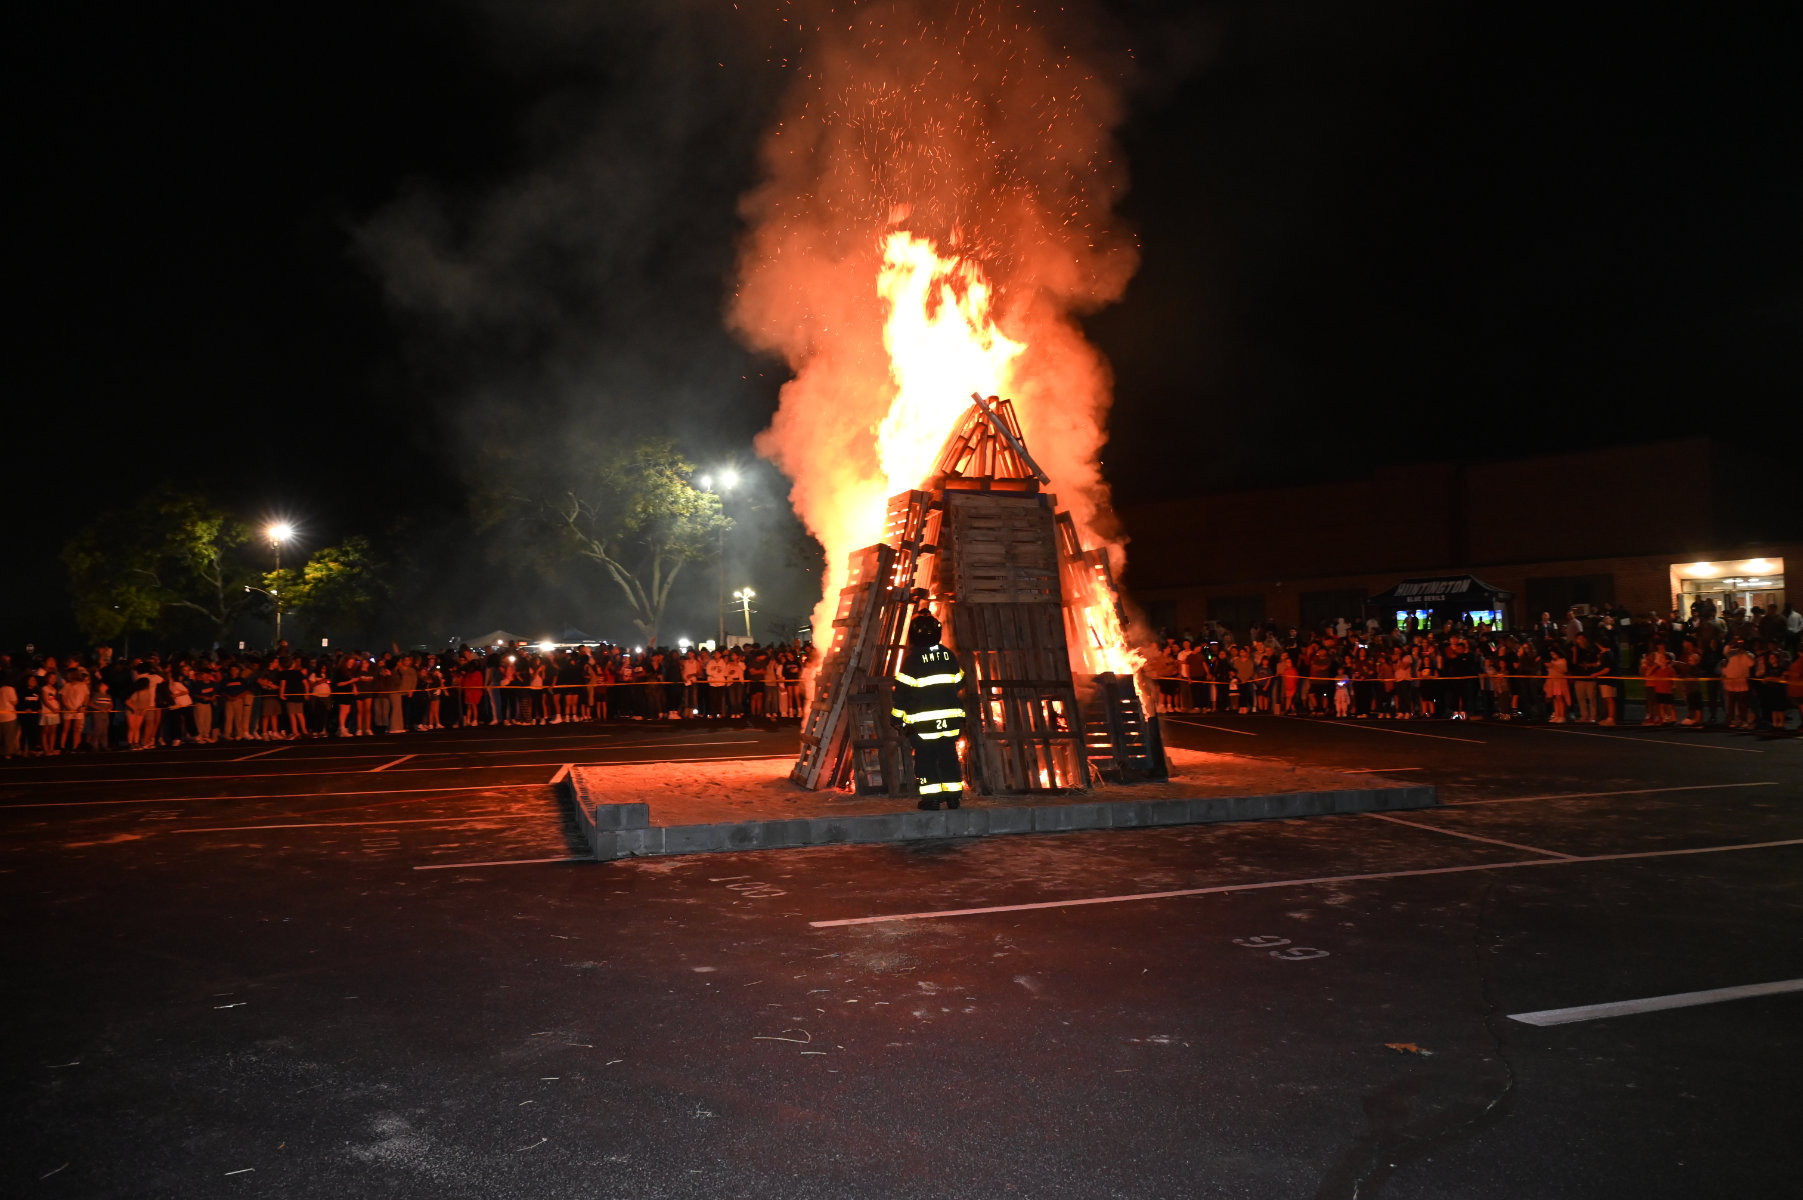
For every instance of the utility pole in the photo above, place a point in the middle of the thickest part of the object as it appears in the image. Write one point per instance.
(742, 599)
(728, 479)
(278, 533)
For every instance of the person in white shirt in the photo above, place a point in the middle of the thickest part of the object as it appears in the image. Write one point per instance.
(50, 716)
(718, 676)
(141, 715)
(74, 705)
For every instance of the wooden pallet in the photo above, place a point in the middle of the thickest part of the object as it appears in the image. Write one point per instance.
(882, 762)
(998, 562)
(1122, 746)
(847, 668)
(1017, 592)
(986, 451)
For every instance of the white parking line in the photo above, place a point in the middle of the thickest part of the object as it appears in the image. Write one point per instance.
(505, 862)
(1222, 889)
(1624, 1008)
(1689, 787)
(1468, 836)
(397, 762)
(196, 756)
(474, 787)
(336, 824)
(1439, 737)
(358, 771)
(1201, 725)
(1643, 741)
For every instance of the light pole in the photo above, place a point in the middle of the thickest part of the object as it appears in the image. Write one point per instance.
(728, 479)
(278, 533)
(276, 603)
(743, 596)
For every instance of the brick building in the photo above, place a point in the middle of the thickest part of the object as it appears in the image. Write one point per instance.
(1647, 527)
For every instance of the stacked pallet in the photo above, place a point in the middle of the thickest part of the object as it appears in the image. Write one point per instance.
(852, 661)
(1018, 596)
(999, 564)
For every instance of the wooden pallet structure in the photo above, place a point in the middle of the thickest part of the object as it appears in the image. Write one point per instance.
(987, 549)
(850, 668)
(1123, 745)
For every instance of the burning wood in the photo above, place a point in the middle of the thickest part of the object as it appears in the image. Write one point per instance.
(1006, 574)
(936, 209)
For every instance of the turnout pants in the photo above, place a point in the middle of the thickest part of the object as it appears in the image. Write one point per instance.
(937, 771)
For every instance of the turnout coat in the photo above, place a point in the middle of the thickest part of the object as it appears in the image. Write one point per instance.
(927, 700)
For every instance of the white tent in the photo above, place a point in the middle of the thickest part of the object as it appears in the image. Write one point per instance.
(494, 636)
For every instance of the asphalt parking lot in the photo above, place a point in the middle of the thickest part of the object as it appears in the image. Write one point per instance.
(380, 968)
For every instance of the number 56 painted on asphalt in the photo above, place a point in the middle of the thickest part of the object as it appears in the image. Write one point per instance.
(1264, 941)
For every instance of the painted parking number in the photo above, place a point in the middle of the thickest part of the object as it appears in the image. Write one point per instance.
(1267, 941)
(749, 887)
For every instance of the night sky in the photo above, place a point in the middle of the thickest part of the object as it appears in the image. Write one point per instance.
(1370, 234)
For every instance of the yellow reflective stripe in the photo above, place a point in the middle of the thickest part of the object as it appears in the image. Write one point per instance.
(929, 680)
(932, 714)
(952, 787)
(943, 733)
(927, 789)
(896, 712)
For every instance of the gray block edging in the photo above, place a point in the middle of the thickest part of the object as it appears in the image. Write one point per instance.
(625, 830)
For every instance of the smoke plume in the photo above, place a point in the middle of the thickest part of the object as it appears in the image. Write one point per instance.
(981, 125)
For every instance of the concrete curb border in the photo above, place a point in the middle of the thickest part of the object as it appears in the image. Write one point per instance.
(625, 830)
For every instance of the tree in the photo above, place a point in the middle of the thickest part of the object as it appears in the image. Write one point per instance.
(338, 586)
(633, 511)
(111, 596)
(171, 560)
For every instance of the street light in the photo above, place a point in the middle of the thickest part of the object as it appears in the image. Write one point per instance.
(277, 533)
(743, 596)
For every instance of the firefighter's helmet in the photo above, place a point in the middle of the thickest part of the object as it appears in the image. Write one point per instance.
(924, 630)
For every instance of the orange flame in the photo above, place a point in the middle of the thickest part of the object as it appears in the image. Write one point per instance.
(986, 127)
(943, 344)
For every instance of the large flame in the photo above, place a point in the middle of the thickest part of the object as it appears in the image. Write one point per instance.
(935, 173)
(942, 344)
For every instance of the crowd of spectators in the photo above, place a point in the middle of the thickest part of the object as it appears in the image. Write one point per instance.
(1738, 669)
(56, 705)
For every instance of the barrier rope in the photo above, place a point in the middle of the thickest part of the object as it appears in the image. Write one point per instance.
(1675, 679)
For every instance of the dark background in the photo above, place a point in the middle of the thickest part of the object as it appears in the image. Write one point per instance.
(1371, 235)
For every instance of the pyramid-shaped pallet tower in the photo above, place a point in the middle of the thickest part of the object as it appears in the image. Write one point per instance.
(1019, 597)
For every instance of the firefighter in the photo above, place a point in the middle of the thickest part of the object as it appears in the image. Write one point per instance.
(929, 709)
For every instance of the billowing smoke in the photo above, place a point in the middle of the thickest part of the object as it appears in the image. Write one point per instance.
(986, 127)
